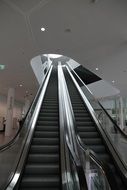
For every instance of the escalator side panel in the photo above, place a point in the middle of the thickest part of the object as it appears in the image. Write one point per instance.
(88, 131)
(42, 167)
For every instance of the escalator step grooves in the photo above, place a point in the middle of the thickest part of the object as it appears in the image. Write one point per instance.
(42, 167)
(88, 130)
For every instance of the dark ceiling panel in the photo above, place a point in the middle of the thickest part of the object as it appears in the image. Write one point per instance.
(86, 75)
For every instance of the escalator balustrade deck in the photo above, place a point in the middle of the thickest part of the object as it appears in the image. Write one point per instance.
(42, 167)
(88, 131)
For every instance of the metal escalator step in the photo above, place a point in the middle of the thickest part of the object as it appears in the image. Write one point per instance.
(46, 134)
(40, 181)
(92, 141)
(40, 188)
(87, 129)
(82, 119)
(82, 114)
(47, 158)
(45, 141)
(104, 157)
(51, 118)
(45, 149)
(84, 123)
(89, 134)
(48, 111)
(44, 169)
(45, 114)
(46, 128)
(98, 148)
(49, 123)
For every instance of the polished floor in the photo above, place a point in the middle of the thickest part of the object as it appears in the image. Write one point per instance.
(5, 139)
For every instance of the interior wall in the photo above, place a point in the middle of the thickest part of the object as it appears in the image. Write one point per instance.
(3, 108)
(40, 67)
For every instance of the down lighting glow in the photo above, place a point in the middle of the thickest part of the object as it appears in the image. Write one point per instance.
(53, 55)
(42, 29)
(2, 67)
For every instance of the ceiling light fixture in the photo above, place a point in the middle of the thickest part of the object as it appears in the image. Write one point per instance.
(20, 85)
(113, 81)
(2, 67)
(97, 69)
(53, 55)
(42, 29)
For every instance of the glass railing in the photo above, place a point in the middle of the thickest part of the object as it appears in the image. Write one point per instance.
(116, 138)
(84, 172)
(11, 153)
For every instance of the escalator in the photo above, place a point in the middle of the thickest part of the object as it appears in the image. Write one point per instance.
(91, 136)
(42, 166)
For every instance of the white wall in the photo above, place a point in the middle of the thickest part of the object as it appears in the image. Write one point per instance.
(73, 63)
(102, 89)
(38, 67)
(3, 109)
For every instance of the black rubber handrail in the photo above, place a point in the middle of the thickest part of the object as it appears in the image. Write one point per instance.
(112, 120)
(7, 145)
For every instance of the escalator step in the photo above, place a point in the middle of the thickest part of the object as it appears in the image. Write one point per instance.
(41, 149)
(43, 169)
(45, 141)
(46, 128)
(47, 158)
(85, 123)
(89, 135)
(40, 188)
(87, 129)
(98, 148)
(93, 141)
(37, 181)
(51, 118)
(46, 134)
(49, 123)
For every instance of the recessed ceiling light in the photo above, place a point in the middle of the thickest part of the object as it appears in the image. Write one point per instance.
(113, 81)
(53, 55)
(97, 69)
(42, 29)
(20, 85)
(2, 67)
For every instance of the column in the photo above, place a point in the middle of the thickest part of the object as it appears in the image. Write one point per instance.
(121, 115)
(9, 115)
(26, 106)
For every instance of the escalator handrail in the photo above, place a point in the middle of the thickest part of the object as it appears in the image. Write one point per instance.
(112, 120)
(111, 147)
(83, 150)
(108, 115)
(67, 136)
(32, 123)
(10, 143)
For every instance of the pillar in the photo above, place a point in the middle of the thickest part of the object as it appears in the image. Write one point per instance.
(121, 115)
(26, 107)
(9, 115)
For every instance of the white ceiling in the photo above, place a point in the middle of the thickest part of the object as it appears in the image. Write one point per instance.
(98, 38)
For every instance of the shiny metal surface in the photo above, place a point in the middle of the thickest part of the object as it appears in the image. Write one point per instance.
(86, 157)
(105, 132)
(24, 145)
(71, 166)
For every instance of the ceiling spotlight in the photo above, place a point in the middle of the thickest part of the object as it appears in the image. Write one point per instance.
(20, 85)
(97, 69)
(42, 29)
(113, 81)
(53, 55)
